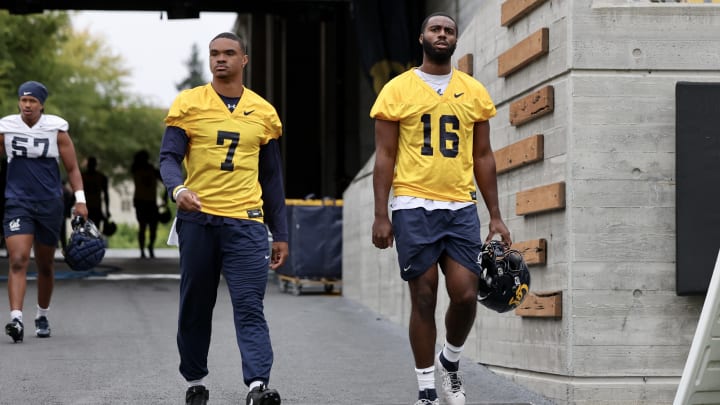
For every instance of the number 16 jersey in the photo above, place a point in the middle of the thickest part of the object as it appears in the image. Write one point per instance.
(435, 146)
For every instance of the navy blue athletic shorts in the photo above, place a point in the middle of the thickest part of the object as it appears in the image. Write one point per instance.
(43, 219)
(423, 236)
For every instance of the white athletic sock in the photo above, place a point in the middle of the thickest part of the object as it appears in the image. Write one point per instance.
(41, 312)
(452, 353)
(425, 377)
(255, 384)
(195, 383)
(15, 313)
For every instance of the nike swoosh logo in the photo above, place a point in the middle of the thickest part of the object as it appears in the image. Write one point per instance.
(25, 93)
(458, 94)
(427, 372)
(248, 112)
(267, 257)
(407, 268)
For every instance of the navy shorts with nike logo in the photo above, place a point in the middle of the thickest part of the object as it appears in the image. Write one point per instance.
(423, 236)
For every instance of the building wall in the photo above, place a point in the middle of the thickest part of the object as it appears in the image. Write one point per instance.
(623, 335)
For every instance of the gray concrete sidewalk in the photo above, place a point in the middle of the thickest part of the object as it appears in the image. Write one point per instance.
(114, 343)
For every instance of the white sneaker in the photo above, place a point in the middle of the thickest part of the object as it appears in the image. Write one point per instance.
(427, 402)
(451, 389)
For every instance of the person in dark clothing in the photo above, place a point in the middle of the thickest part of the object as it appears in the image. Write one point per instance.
(146, 178)
(96, 192)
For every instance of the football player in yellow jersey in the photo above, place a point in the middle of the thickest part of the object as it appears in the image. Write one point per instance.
(432, 143)
(226, 135)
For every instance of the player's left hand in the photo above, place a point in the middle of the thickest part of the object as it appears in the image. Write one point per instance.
(80, 209)
(497, 227)
(279, 254)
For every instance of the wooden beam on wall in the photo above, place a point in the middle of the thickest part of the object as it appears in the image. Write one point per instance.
(540, 199)
(532, 106)
(465, 64)
(534, 251)
(513, 10)
(541, 305)
(524, 52)
(520, 154)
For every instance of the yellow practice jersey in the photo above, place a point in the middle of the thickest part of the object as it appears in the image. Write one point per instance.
(223, 149)
(434, 158)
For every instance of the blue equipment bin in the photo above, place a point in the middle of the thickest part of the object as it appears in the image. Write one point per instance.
(314, 240)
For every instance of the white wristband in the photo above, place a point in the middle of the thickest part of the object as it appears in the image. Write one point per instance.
(178, 191)
(80, 197)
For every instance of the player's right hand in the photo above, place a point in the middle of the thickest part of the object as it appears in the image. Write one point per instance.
(382, 233)
(188, 201)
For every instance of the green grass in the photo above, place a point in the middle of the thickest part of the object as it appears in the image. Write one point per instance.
(126, 236)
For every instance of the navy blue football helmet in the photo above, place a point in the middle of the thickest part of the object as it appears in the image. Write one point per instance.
(505, 279)
(86, 247)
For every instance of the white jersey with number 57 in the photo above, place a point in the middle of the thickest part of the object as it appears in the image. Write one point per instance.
(38, 141)
(33, 156)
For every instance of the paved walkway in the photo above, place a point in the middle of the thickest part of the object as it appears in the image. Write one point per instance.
(114, 343)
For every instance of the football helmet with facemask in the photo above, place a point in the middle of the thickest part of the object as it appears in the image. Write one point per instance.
(86, 247)
(505, 279)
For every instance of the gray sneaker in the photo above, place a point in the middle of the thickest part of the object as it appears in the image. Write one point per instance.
(42, 327)
(451, 389)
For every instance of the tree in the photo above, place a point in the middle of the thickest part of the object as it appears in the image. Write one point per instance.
(195, 71)
(106, 121)
(86, 82)
(28, 49)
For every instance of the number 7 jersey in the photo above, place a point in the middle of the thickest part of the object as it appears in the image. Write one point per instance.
(435, 145)
(223, 148)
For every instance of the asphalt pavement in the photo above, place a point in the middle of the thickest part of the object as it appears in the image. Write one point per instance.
(113, 342)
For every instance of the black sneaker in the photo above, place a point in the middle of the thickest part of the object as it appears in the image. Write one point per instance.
(262, 395)
(197, 395)
(42, 327)
(15, 330)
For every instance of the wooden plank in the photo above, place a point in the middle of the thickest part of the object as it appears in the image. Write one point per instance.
(520, 154)
(524, 52)
(540, 199)
(541, 305)
(533, 251)
(465, 64)
(513, 10)
(532, 106)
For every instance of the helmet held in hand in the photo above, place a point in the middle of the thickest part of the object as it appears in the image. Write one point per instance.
(86, 247)
(505, 279)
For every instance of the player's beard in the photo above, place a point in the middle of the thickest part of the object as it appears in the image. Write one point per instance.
(438, 56)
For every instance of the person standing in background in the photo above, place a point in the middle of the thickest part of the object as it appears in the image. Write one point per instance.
(146, 178)
(96, 192)
(226, 135)
(68, 202)
(34, 142)
(432, 144)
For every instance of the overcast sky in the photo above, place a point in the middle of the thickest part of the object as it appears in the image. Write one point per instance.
(154, 48)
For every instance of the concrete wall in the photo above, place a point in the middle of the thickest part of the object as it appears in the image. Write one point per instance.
(624, 335)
